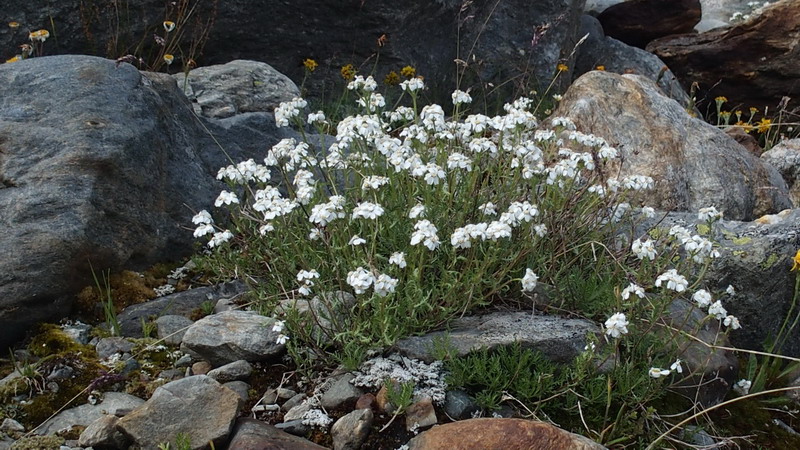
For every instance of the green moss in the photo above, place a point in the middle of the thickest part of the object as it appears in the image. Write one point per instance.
(771, 260)
(753, 416)
(742, 240)
(703, 229)
(740, 253)
(38, 443)
(51, 340)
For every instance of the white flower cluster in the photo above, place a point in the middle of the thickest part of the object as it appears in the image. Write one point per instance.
(244, 172)
(289, 110)
(616, 325)
(529, 281)
(367, 210)
(427, 378)
(289, 154)
(306, 279)
(460, 97)
(365, 84)
(646, 249)
(425, 233)
(675, 281)
(703, 299)
(361, 279)
(325, 213)
(412, 85)
(656, 372)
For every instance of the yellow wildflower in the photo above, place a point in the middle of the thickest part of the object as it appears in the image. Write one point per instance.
(721, 99)
(753, 110)
(796, 261)
(744, 126)
(764, 125)
(13, 24)
(14, 59)
(408, 72)
(391, 79)
(600, 68)
(348, 72)
(310, 64)
(39, 35)
(562, 67)
(169, 25)
(168, 58)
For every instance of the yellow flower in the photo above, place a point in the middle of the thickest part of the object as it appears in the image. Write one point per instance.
(746, 127)
(562, 67)
(600, 68)
(725, 115)
(763, 125)
(169, 25)
(796, 261)
(13, 24)
(753, 110)
(721, 99)
(310, 64)
(391, 79)
(408, 72)
(39, 35)
(168, 58)
(14, 59)
(348, 72)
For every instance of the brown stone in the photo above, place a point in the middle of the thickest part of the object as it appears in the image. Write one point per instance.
(753, 64)
(421, 415)
(253, 434)
(745, 139)
(693, 164)
(637, 22)
(506, 434)
(365, 401)
(201, 368)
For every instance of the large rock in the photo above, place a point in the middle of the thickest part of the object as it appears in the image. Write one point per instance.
(98, 163)
(619, 57)
(558, 339)
(114, 403)
(785, 156)
(756, 259)
(237, 87)
(231, 336)
(637, 22)
(500, 433)
(197, 406)
(753, 64)
(429, 35)
(251, 434)
(693, 164)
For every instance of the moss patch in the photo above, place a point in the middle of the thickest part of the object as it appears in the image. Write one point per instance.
(742, 240)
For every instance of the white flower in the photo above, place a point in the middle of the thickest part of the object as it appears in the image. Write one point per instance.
(203, 230)
(266, 228)
(220, 238)
(398, 259)
(324, 213)
(385, 285)
(307, 275)
(356, 240)
(632, 288)
(460, 97)
(732, 322)
(648, 212)
(709, 214)
(202, 217)
(655, 372)
(278, 326)
(458, 161)
(730, 290)
(373, 182)
(646, 249)
(742, 387)
(360, 279)
(412, 85)
(540, 229)
(717, 310)
(417, 211)
(529, 281)
(226, 198)
(497, 229)
(367, 210)
(616, 325)
(488, 209)
(676, 366)
(288, 110)
(675, 281)
(315, 234)
(702, 297)
(425, 233)
(433, 174)
(460, 238)
(318, 116)
(282, 339)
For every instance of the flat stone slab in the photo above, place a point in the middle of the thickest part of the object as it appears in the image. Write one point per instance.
(559, 339)
(231, 336)
(114, 403)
